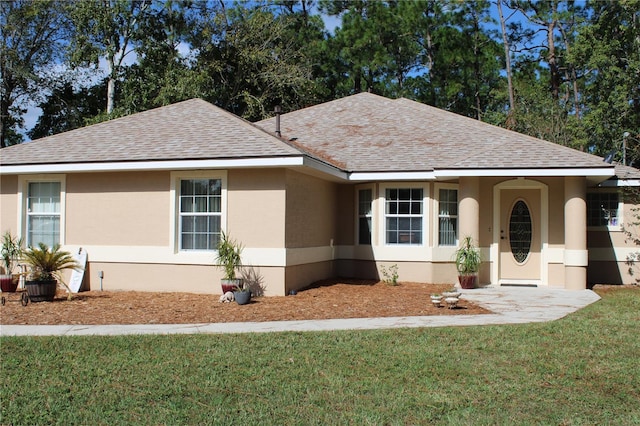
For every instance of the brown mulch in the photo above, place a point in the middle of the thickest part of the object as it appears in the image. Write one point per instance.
(324, 300)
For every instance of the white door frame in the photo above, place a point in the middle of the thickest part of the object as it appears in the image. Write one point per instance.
(521, 183)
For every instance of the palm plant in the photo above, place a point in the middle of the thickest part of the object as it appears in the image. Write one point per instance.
(228, 257)
(11, 251)
(47, 264)
(468, 262)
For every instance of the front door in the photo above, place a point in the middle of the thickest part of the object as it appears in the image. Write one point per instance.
(520, 254)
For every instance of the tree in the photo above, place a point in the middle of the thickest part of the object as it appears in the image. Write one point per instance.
(510, 122)
(106, 29)
(31, 38)
(162, 74)
(67, 109)
(608, 47)
(246, 64)
(376, 45)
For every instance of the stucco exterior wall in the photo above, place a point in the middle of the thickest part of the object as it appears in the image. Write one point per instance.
(300, 276)
(345, 215)
(311, 211)
(9, 204)
(609, 249)
(296, 229)
(203, 279)
(118, 209)
(256, 207)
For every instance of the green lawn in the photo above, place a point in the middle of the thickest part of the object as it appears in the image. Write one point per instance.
(584, 369)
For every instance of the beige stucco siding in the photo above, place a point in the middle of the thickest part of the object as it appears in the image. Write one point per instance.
(346, 209)
(609, 249)
(256, 207)
(121, 209)
(310, 211)
(9, 204)
(171, 278)
(556, 210)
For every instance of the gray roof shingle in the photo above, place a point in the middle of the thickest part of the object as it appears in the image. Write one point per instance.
(193, 129)
(359, 133)
(366, 133)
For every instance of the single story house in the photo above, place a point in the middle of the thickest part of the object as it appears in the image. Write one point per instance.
(337, 189)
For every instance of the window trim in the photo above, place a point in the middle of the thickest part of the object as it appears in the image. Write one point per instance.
(372, 216)
(607, 228)
(382, 223)
(23, 195)
(174, 191)
(436, 214)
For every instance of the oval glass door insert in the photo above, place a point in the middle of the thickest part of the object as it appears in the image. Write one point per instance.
(520, 231)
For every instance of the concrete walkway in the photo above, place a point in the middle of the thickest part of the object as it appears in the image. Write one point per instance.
(510, 306)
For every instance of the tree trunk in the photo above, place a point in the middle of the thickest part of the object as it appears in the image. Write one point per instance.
(554, 70)
(511, 123)
(111, 86)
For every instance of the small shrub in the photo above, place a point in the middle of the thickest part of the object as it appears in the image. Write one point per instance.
(390, 276)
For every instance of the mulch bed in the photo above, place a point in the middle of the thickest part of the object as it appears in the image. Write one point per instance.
(324, 300)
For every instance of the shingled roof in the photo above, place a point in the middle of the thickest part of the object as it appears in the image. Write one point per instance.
(189, 130)
(357, 134)
(370, 133)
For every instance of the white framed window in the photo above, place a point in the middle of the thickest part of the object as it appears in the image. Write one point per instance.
(200, 210)
(43, 213)
(200, 213)
(42, 200)
(604, 210)
(447, 216)
(365, 215)
(404, 214)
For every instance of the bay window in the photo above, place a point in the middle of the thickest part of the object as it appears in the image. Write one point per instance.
(365, 204)
(447, 217)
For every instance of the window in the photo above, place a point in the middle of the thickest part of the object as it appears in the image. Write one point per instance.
(448, 217)
(365, 201)
(43, 213)
(404, 215)
(603, 209)
(520, 231)
(200, 216)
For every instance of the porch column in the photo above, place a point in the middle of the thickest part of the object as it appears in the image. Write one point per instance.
(576, 257)
(469, 209)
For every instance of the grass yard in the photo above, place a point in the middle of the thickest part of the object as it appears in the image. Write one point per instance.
(584, 369)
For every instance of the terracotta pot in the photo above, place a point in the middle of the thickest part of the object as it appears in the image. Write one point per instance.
(9, 283)
(467, 281)
(41, 291)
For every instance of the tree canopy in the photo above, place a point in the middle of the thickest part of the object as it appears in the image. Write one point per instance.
(564, 70)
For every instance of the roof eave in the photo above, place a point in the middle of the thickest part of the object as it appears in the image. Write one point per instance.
(596, 172)
(293, 161)
(594, 175)
(153, 165)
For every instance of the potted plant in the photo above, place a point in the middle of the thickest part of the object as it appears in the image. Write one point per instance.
(242, 293)
(45, 271)
(11, 253)
(229, 260)
(468, 262)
